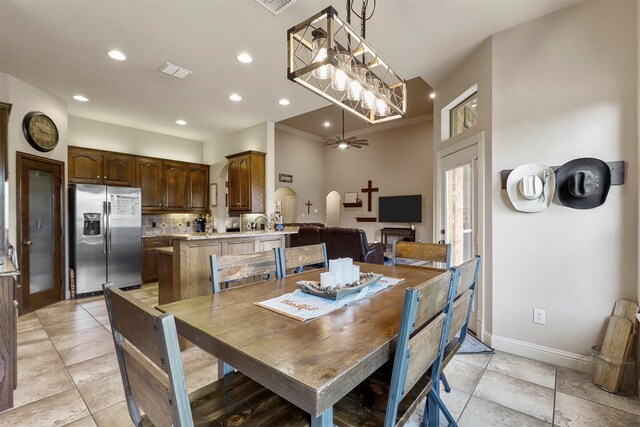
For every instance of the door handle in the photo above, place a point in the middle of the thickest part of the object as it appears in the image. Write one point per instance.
(27, 242)
(104, 227)
(109, 235)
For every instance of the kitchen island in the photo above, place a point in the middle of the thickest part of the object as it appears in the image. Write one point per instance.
(184, 270)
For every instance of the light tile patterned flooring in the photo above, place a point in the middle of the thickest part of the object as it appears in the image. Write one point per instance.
(68, 375)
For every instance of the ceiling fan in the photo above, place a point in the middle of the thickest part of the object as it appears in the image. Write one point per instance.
(345, 143)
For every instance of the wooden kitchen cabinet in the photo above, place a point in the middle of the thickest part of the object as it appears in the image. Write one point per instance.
(198, 188)
(175, 186)
(150, 247)
(85, 166)
(118, 169)
(246, 182)
(149, 178)
(166, 185)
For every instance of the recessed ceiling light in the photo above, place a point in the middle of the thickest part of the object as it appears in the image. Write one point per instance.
(181, 122)
(284, 102)
(245, 58)
(235, 97)
(117, 55)
(432, 95)
(80, 98)
(327, 124)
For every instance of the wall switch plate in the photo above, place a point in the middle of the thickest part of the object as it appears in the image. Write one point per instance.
(539, 316)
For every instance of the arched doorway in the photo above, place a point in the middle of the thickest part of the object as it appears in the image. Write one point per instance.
(288, 200)
(333, 209)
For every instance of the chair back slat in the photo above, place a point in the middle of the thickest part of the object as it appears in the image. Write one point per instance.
(432, 298)
(304, 255)
(468, 274)
(423, 351)
(149, 386)
(460, 312)
(423, 251)
(138, 323)
(227, 268)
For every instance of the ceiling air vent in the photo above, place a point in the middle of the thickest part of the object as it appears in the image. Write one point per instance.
(175, 71)
(276, 6)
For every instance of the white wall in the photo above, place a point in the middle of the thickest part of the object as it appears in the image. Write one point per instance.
(26, 98)
(260, 137)
(564, 86)
(105, 136)
(303, 158)
(475, 70)
(398, 161)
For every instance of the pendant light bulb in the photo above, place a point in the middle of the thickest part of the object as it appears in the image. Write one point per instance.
(319, 51)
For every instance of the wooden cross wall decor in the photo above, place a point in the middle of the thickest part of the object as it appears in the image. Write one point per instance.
(308, 204)
(369, 190)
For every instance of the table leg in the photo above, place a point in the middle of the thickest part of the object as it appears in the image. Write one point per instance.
(323, 420)
(224, 369)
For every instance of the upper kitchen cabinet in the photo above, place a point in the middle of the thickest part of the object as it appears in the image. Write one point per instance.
(175, 186)
(198, 188)
(149, 177)
(246, 182)
(118, 169)
(85, 166)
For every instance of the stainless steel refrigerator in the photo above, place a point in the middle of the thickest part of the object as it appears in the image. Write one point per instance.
(105, 236)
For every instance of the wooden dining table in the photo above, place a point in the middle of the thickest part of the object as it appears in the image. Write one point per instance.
(311, 364)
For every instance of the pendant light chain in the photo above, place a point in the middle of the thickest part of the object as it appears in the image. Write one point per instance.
(363, 14)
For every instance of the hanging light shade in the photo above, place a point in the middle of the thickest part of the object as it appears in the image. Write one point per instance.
(329, 58)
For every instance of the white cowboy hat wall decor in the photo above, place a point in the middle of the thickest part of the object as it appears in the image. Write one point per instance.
(583, 183)
(531, 187)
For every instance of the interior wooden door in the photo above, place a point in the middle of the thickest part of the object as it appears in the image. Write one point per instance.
(40, 243)
(175, 186)
(149, 178)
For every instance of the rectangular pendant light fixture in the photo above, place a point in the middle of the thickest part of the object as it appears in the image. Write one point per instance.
(328, 57)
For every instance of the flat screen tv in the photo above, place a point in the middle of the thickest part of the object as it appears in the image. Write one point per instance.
(400, 209)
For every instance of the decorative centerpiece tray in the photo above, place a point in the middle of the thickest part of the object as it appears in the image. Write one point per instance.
(313, 288)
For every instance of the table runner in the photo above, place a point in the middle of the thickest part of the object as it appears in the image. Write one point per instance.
(302, 307)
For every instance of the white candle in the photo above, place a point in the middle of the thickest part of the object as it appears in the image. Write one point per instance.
(327, 279)
(356, 273)
(335, 267)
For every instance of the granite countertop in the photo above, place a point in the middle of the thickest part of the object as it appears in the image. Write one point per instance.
(7, 268)
(231, 235)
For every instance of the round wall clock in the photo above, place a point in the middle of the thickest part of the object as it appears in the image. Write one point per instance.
(40, 131)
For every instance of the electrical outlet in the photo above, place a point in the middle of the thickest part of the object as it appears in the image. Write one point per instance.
(538, 316)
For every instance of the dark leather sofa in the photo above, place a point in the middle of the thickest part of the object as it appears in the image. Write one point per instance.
(341, 242)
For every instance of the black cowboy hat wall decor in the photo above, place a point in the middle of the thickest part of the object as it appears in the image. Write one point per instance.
(583, 183)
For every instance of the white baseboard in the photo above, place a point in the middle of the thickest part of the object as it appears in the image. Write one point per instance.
(539, 352)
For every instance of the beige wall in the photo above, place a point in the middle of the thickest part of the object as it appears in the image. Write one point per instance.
(303, 158)
(399, 161)
(105, 136)
(26, 98)
(260, 137)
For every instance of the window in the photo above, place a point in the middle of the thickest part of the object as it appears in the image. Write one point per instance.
(464, 115)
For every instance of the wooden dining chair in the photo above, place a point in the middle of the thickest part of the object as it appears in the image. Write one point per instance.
(299, 257)
(229, 268)
(389, 399)
(469, 271)
(434, 252)
(153, 377)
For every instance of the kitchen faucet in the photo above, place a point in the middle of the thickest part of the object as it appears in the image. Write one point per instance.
(254, 225)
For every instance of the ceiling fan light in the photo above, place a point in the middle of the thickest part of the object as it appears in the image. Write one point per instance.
(343, 145)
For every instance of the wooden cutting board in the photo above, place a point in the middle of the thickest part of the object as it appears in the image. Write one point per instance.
(619, 332)
(628, 309)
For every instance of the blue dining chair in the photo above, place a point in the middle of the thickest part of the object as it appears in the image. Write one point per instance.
(426, 315)
(299, 257)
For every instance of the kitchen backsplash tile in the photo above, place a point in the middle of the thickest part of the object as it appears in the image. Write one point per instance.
(168, 224)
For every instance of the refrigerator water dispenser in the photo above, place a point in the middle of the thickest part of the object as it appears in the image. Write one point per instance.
(91, 224)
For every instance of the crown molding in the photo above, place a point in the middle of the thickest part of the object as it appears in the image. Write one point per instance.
(299, 132)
